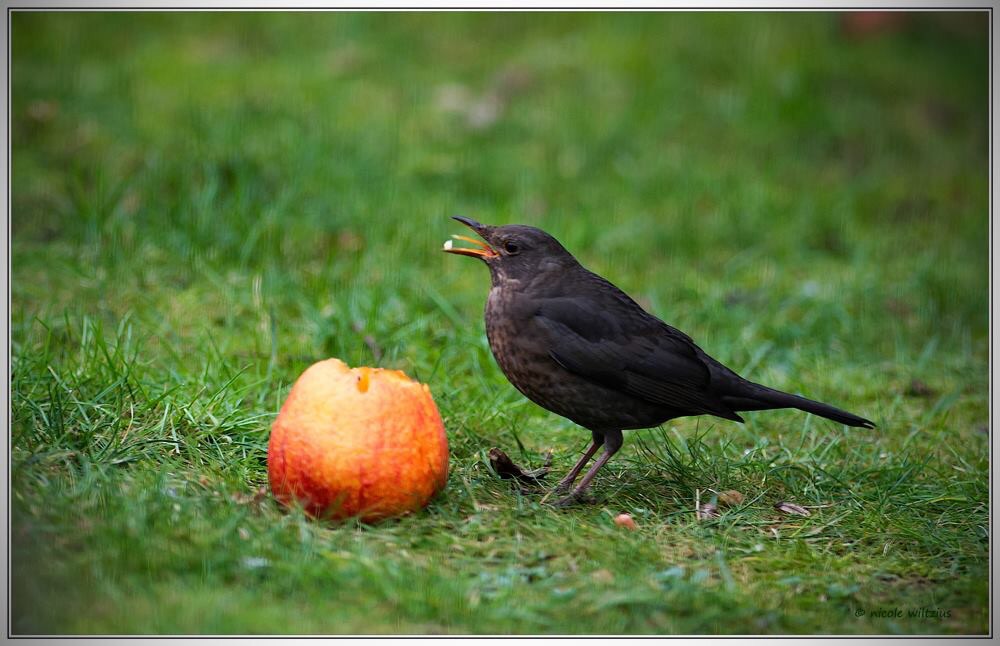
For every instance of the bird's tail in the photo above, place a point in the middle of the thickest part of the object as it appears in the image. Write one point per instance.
(756, 397)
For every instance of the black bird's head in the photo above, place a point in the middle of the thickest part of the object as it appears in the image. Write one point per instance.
(513, 251)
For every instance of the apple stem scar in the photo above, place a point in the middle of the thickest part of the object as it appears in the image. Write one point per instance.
(363, 379)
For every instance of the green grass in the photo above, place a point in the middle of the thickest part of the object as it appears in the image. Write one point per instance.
(205, 204)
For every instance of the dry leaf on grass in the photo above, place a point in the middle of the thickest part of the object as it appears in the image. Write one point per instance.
(786, 507)
(707, 511)
(506, 468)
(248, 498)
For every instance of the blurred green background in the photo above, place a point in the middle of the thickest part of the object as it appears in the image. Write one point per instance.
(203, 204)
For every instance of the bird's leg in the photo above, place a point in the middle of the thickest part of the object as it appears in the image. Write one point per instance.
(612, 442)
(570, 478)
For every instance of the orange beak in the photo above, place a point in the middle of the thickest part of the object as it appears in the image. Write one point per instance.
(481, 250)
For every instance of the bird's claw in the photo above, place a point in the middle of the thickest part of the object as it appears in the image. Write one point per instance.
(575, 498)
(562, 489)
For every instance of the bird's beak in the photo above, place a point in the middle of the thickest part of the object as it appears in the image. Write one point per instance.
(481, 250)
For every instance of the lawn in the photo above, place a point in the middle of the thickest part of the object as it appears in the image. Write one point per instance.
(205, 204)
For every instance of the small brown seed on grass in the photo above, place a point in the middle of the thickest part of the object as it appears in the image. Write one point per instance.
(918, 388)
(603, 576)
(731, 498)
(626, 521)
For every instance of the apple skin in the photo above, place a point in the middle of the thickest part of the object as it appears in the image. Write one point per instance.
(357, 442)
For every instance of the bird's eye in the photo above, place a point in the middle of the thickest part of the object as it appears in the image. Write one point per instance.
(511, 247)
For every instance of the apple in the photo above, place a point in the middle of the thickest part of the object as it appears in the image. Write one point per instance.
(357, 442)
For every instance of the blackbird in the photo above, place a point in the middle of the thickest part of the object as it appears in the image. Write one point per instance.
(578, 346)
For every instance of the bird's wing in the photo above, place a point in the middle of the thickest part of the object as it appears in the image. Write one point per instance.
(629, 351)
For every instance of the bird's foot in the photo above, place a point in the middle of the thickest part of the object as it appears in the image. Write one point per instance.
(562, 489)
(573, 499)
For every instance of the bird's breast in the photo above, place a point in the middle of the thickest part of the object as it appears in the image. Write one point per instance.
(518, 346)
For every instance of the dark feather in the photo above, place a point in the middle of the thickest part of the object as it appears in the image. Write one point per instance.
(652, 361)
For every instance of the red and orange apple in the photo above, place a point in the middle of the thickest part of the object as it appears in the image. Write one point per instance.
(357, 442)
